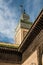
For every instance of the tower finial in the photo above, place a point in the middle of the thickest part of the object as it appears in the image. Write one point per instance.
(22, 9)
(24, 17)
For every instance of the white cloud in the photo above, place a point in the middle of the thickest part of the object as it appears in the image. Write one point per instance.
(7, 23)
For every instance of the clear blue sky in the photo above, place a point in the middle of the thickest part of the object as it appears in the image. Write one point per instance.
(10, 14)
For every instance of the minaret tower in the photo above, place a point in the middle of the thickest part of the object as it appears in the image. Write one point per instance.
(22, 28)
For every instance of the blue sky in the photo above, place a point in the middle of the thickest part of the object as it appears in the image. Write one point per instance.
(10, 14)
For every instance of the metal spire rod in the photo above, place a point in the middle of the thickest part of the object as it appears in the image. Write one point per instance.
(22, 9)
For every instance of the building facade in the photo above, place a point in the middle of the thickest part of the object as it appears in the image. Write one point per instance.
(30, 50)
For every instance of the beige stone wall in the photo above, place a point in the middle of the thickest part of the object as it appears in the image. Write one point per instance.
(20, 34)
(1, 63)
(36, 42)
(18, 37)
(23, 33)
(32, 59)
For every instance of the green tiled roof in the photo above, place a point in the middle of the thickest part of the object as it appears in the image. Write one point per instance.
(9, 46)
(27, 22)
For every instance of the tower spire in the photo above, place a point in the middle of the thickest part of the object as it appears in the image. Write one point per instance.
(24, 16)
(23, 26)
(22, 9)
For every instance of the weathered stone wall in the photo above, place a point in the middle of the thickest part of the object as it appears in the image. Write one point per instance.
(26, 57)
(23, 33)
(1, 63)
(20, 34)
(32, 59)
(18, 37)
